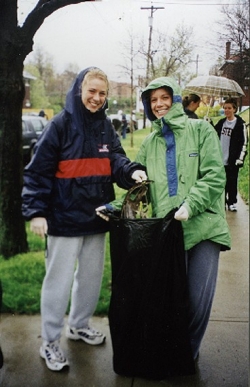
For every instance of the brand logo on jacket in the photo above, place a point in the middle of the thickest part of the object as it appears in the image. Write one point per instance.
(193, 154)
(104, 148)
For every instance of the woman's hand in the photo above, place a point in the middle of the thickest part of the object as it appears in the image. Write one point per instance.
(39, 226)
(181, 214)
(100, 211)
(139, 176)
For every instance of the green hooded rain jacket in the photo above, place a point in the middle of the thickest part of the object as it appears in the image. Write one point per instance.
(200, 171)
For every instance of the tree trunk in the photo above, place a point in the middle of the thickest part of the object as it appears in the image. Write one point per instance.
(12, 225)
(16, 43)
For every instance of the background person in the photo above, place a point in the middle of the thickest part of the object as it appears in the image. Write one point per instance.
(124, 126)
(233, 137)
(117, 124)
(135, 123)
(42, 114)
(183, 158)
(76, 160)
(191, 103)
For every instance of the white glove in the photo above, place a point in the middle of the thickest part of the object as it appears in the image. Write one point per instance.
(139, 176)
(239, 162)
(102, 208)
(181, 214)
(39, 226)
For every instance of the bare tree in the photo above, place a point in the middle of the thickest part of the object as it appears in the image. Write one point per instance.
(176, 53)
(55, 85)
(170, 54)
(129, 67)
(236, 27)
(234, 34)
(16, 43)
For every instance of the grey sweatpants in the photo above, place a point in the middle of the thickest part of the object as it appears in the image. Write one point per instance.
(202, 270)
(71, 260)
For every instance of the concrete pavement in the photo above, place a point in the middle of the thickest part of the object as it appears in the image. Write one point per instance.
(223, 360)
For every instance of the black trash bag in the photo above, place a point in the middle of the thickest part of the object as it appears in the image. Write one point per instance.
(148, 306)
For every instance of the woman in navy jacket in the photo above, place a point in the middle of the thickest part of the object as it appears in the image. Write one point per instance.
(233, 136)
(76, 161)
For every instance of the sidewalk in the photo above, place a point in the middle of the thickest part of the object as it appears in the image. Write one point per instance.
(223, 360)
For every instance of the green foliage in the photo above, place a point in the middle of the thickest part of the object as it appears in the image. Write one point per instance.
(38, 95)
(244, 180)
(56, 108)
(203, 111)
(244, 172)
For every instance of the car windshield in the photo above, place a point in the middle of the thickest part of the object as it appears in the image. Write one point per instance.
(38, 125)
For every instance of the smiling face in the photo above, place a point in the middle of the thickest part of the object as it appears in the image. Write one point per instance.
(229, 110)
(94, 93)
(160, 102)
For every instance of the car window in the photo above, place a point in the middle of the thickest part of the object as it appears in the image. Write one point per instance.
(37, 124)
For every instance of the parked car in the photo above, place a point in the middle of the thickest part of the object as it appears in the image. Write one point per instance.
(32, 127)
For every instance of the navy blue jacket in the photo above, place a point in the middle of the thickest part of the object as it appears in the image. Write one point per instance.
(76, 161)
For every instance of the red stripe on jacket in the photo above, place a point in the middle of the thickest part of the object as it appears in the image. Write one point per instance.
(83, 167)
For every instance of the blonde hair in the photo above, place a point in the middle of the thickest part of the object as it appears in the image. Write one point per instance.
(95, 73)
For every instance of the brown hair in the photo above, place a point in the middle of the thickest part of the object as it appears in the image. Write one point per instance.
(233, 102)
(96, 73)
(190, 98)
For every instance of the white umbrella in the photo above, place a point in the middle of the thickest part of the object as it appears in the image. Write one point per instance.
(215, 86)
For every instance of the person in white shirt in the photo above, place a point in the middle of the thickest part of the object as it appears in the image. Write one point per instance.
(233, 136)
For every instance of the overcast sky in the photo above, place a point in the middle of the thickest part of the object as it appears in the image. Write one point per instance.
(94, 33)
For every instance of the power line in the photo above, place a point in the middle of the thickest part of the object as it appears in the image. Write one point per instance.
(183, 3)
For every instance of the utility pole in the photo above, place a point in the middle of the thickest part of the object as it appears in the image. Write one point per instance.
(150, 19)
(197, 64)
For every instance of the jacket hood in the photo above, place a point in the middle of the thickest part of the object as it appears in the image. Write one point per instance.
(240, 119)
(74, 105)
(175, 113)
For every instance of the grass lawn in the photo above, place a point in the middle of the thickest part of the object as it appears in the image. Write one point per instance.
(22, 275)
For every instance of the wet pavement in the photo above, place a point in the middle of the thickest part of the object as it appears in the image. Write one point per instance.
(223, 360)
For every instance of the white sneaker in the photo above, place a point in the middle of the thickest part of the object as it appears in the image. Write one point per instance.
(53, 355)
(89, 335)
(232, 207)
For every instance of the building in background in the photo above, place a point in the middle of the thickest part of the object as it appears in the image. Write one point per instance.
(237, 67)
(27, 77)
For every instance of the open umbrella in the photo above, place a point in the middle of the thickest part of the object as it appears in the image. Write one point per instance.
(215, 86)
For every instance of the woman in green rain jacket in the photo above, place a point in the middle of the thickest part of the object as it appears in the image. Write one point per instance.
(200, 175)
(183, 157)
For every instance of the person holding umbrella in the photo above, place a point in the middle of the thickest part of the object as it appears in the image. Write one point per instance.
(233, 137)
(214, 86)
